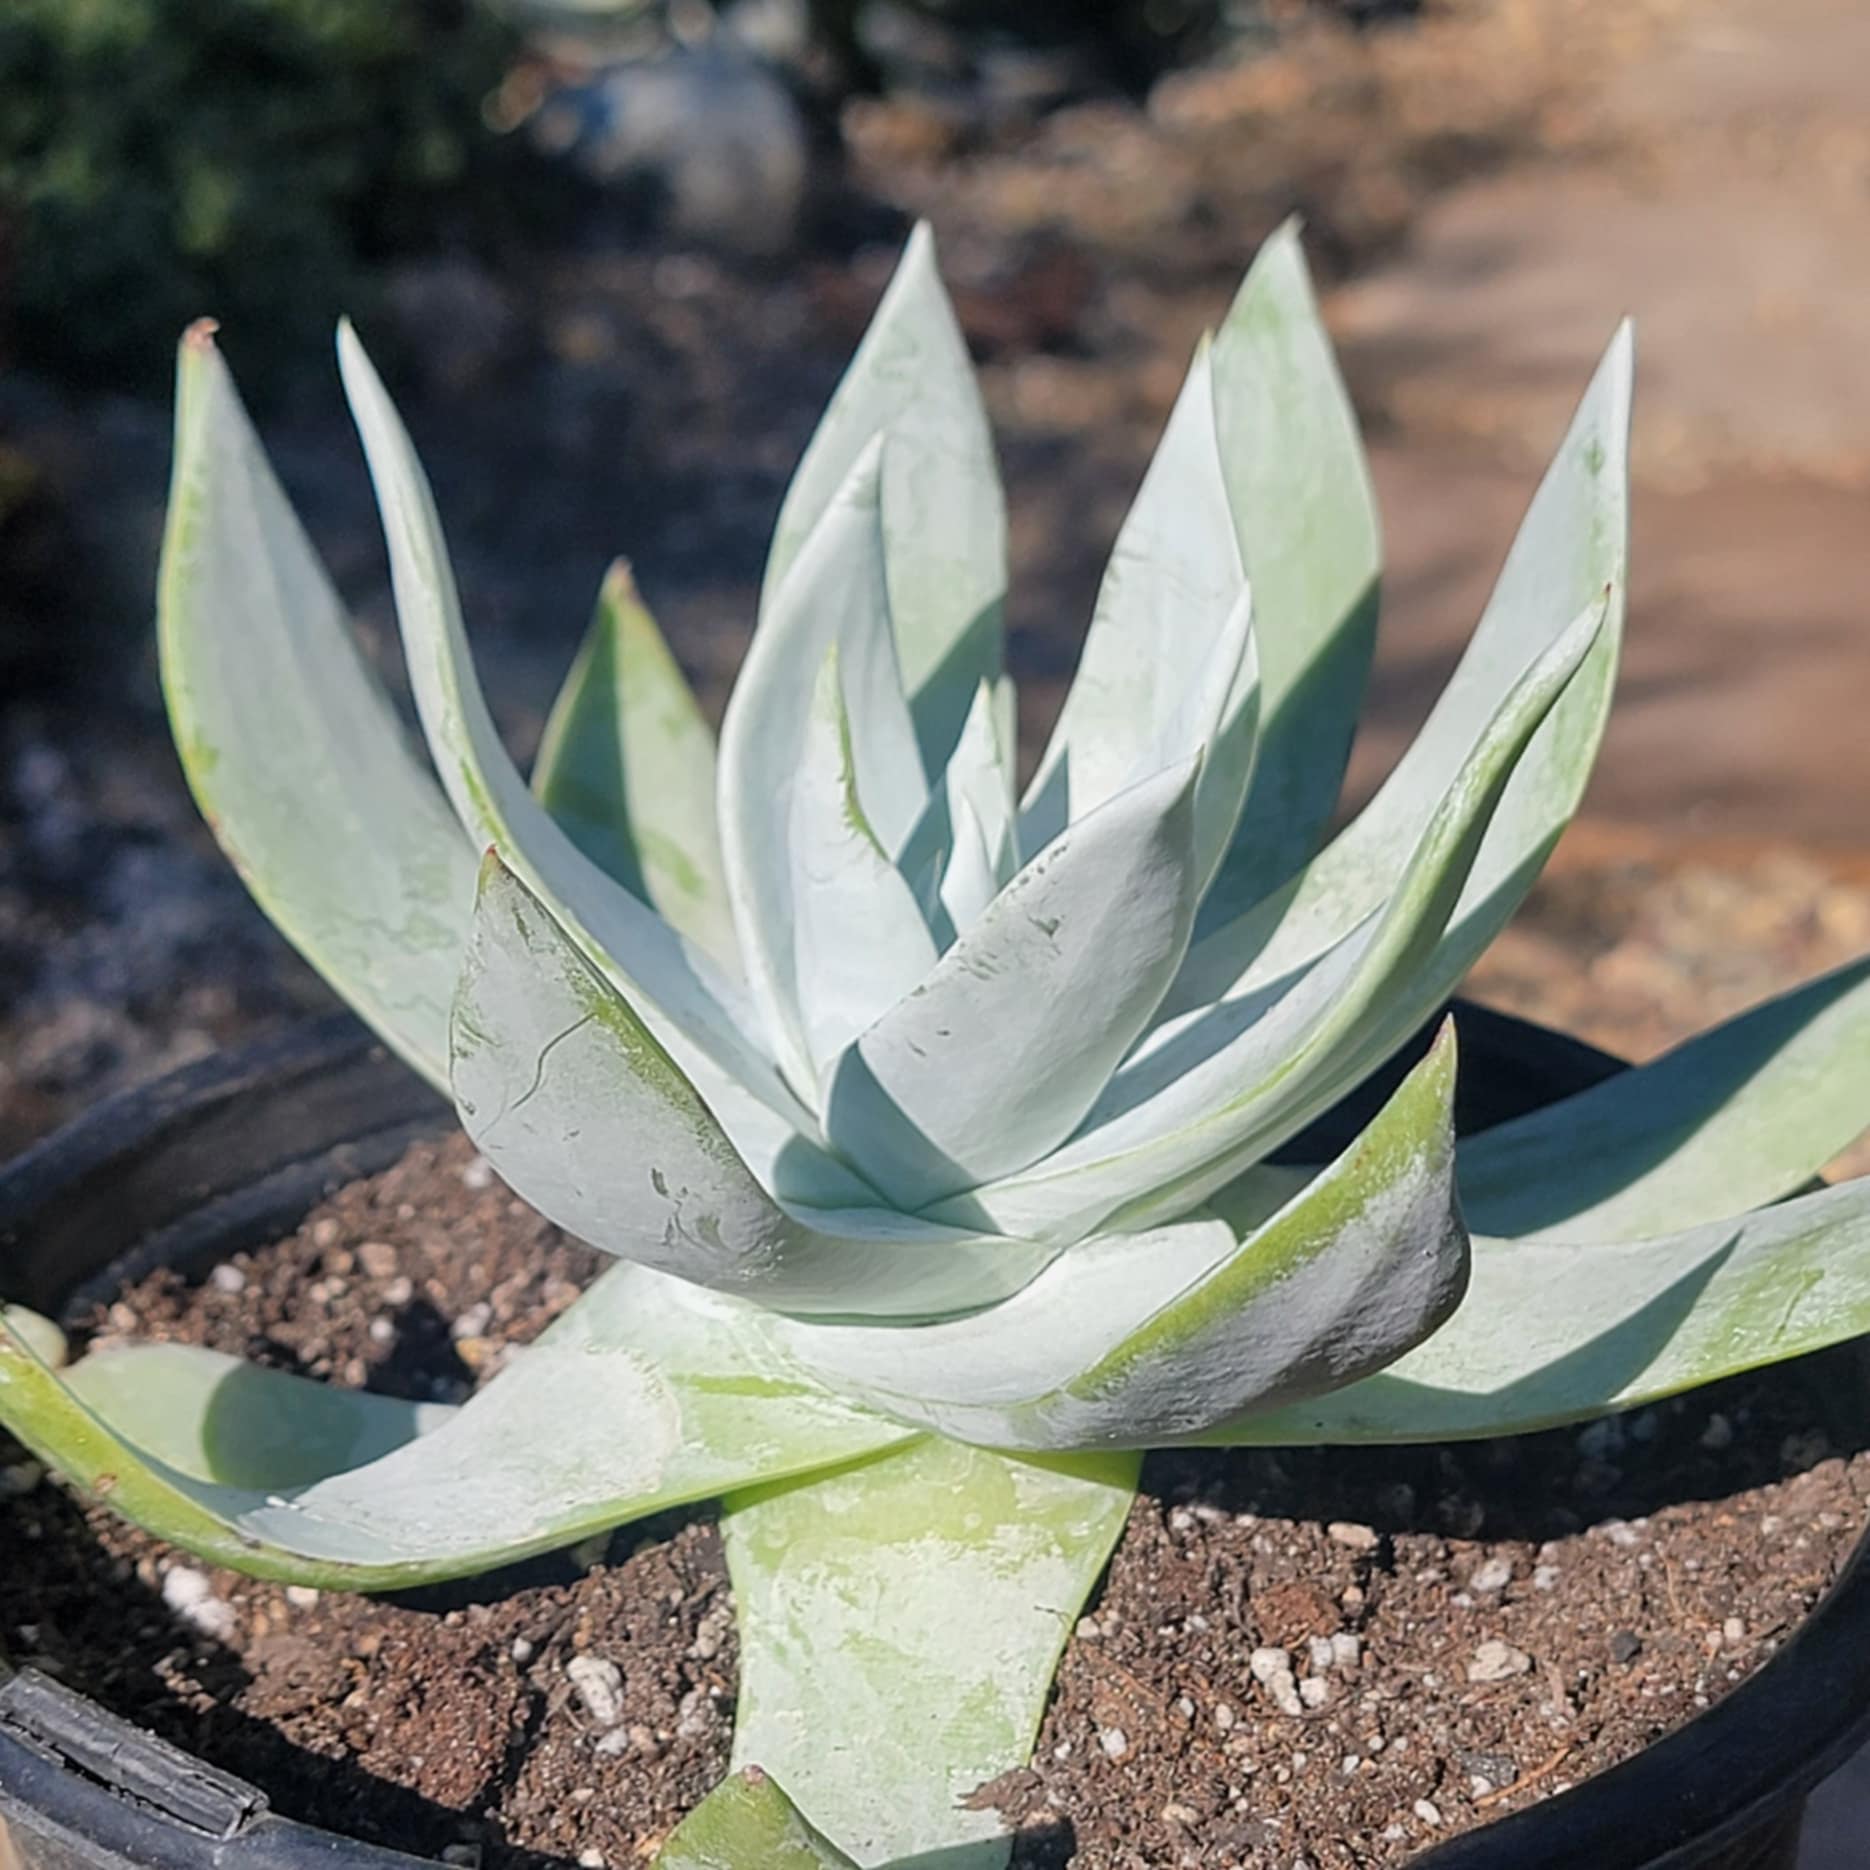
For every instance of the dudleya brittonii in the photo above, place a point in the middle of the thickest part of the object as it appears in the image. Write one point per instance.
(930, 1117)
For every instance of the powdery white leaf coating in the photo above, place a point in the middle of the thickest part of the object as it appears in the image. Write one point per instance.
(1174, 581)
(685, 999)
(1306, 521)
(1142, 1339)
(647, 1393)
(900, 1622)
(1556, 1331)
(1571, 549)
(566, 1093)
(834, 596)
(998, 1054)
(1181, 1120)
(942, 514)
(843, 881)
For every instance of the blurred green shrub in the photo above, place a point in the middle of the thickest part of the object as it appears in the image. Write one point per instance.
(161, 159)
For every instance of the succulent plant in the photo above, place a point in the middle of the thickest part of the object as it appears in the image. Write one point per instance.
(930, 1119)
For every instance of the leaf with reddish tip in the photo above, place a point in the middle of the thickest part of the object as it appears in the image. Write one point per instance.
(291, 746)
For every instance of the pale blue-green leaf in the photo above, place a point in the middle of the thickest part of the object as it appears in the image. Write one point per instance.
(1006, 731)
(291, 747)
(1002, 1050)
(899, 1625)
(1306, 520)
(1221, 712)
(1554, 1331)
(833, 595)
(1570, 549)
(568, 1095)
(219, 1418)
(45, 1336)
(954, 872)
(971, 880)
(626, 765)
(1209, 1095)
(1136, 1340)
(1174, 577)
(923, 862)
(980, 770)
(686, 1000)
(1729, 1121)
(748, 1823)
(943, 517)
(860, 942)
(890, 777)
(647, 1393)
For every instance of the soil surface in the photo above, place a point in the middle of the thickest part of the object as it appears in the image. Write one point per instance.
(1295, 1657)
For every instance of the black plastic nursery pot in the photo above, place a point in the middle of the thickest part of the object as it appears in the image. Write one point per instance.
(232, 1152)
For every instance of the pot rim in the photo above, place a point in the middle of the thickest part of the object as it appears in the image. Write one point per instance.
(88, 1784)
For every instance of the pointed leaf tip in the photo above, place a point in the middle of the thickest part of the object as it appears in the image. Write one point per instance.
(749, 1823)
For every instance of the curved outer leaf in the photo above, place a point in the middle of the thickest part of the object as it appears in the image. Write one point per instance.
(835, 596)
(646, 1394)
(1136, 1340)
(568, 1095)
(899, 1625)
(291, 747)
(1205, 1100)
(748, 1823)
(1554, 1331)
(1000, 1052)
(1571, 547)
(1306, 520)
(627, 767)
(1733, 1119)
(943, 517)
(1173, 581)
(219, 1418)
(690, 1005)
(844, 886)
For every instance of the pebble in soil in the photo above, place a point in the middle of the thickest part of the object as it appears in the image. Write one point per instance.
(1339, 1658)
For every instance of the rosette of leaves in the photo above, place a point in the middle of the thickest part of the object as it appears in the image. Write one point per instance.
(929, 1117)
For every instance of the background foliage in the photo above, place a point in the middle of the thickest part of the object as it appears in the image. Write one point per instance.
(164, 158)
